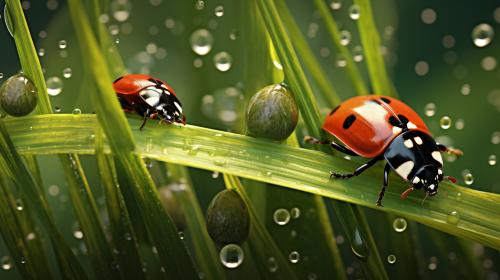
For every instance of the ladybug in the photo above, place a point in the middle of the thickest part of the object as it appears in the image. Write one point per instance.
(149, 97)
(384, 128)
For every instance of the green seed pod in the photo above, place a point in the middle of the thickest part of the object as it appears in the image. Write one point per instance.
(18, 95)
(228, 221)
(272, 113)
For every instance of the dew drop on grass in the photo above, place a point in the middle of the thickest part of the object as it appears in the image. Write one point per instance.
(76, 112)
(354, 12)
(200, 5)
(399, 224)
(482, 35)
(281, 216)
(489, 63)
(468, 178)
(421, 68)
(294, 257)
(345, 37)
(41, 52)
(120, 9)
(272, 265)
(428, 16)
(341, 61)
(77, 232)
(67, 73)
(295, 213)
(430, 109)
(219, 11)
(492, 160)
(391, 259)
(445, 122)
(459, 124)
(231, 256)
(1, 75)
(63, 44)
(223, 61)
(54, 86)
(433, 263)
(358, 245)
(336, 5)
(453, 218)
(197, 62)
(495, 138)
(357, 54)
(465, 89)
(19, 205)
(6, 263)
(201, 41)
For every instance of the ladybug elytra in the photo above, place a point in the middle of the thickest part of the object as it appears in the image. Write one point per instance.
(380, 127)
(149, 97)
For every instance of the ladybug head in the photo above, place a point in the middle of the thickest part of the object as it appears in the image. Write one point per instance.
(170, 109)
(428, 178)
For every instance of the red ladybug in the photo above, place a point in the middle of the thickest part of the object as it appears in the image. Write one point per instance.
(149, 97)
(380, 127)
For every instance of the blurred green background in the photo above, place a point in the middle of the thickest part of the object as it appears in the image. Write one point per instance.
(428, 47)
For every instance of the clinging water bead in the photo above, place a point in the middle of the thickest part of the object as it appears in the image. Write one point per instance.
(18, 95)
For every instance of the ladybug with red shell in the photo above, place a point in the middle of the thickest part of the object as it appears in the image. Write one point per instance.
(380, 127)
(149, 97)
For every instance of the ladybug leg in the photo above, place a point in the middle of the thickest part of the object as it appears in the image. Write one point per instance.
(356, 172)
(451, 151)
(146, 117)
(387, 168)
(312, 140)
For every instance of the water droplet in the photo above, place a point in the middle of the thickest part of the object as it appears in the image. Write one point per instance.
(453, 217)
(200, 5)
(428, 16)
(219, 11)
(63, 44)
(430, 109)
(54, 86)
(465, 89)
(345, 37)
(127, 236)
(231, 256)
(120, 9)
(295, 213)
(341, 61)
(400, 224)
(468, 178)
(54, 190)
(78, 234)
(495, 137)
(272, 265)
(391, 259)
(201, 41)
(492, 160)
(354, 12)
(281, 216)
(358, 245)
(448, 41)
(433, 263)
(67, 72)
(422, 68)
(335, 5)
(1, 75)
(445, 122)
(294, 257)
(357, 53)
(8, 20)
(489, 63)
(6, 263)
(482, 35)
(76, 112)
(459, 124)
(223, 61)
(41, 52)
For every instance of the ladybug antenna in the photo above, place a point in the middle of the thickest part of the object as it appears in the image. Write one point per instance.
(406, 193)
(451, 179)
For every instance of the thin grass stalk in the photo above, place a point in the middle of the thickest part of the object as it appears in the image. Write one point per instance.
(351, 68)
(261, 243)
(370, 40)
(173, 254)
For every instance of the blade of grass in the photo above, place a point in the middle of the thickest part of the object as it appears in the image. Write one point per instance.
(295, 168)
(261, 243)
(310, 113)
(124, 240)
(370, 40)
(173, 254)
(351, 68)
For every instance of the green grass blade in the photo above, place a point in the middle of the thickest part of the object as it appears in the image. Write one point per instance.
(301, 169)
(123, 236)
(261, 243)
(370, 40)
(351, 68)
(173, 254)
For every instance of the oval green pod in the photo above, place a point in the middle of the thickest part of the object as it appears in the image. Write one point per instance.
(272, 113)
(228, 221)
(18, 95)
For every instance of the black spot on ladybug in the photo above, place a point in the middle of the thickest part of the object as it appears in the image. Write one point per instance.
(386, 100)
(403, 119)
(334, 110)
(394, 121)
(349, 121)
(116, 81)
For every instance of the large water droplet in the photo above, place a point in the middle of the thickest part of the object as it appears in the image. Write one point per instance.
(231, 256)
(358, 245)
(399, 224)
(223, 61)
(120, 9)
(391, 259)
(492, 160)
(6, 263)
(453, 217)
(54, 86)
(482, 35)
(8, 20)
(354, 12)
(281, 216)
(468, 178)
(63, 44)
(219, 11)
(201, 41)
(445, 122)
(294, 257)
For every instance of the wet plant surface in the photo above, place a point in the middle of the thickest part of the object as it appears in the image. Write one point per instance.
(85, 194)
